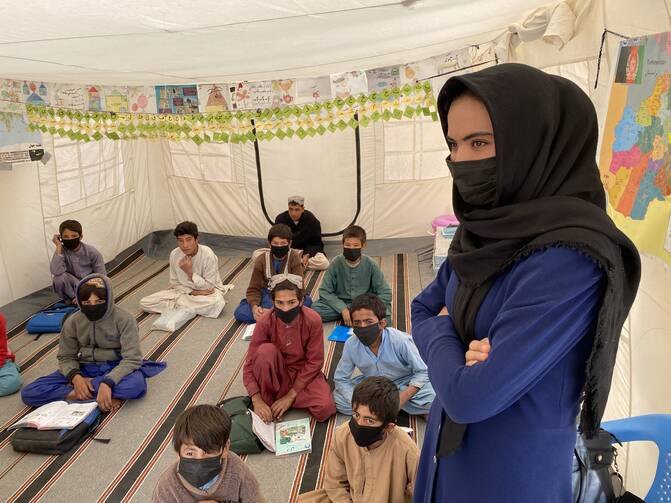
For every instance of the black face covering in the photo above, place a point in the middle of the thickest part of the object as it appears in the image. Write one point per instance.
(279, 251)
(94, 312)
(475, 181)
(199, 472)
(548, 193)
(70, 244)
(288, 316)
(367, 335)
(365, 435)
(352, 254)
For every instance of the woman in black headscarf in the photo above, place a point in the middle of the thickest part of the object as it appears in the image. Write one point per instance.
(522, 321)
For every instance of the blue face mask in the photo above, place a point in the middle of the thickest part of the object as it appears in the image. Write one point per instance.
(475, 181)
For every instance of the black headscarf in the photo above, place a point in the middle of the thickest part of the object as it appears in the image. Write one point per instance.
(548, 193)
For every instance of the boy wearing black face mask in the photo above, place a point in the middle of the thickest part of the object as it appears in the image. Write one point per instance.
(284, 362)
(98, 354)
(279, 258)
(350, 275)
(379, 350)
(72, 260)
(370, 460)
(207, 470)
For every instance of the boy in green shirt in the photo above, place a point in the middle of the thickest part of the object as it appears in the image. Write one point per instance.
(350, 275)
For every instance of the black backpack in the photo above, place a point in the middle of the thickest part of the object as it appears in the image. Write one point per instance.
(243, 439)
(54, 442)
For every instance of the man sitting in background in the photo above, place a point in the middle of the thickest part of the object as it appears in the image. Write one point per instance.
(73, 260)
(307, 233)
(195, 282)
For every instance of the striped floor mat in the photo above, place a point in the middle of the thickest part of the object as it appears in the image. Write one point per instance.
(205, 359)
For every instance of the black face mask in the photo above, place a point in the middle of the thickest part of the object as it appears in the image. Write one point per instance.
(94, 312)
(288, 316)
(279, 251)
(367, 335)
(199, 472)
(475, 181)
(365, 435)
(70, 244)
(352, 254)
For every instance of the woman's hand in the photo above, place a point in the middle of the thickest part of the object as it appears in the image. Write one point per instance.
(478, 351)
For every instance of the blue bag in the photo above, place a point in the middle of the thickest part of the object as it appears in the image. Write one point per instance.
(50, 321)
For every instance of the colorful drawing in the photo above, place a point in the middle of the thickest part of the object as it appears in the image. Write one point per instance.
(94, 99)
(142, 100)
(348, 84)
(34, 93)
(68, 96)
(180, 99)
(284, 92)
(382, 78)
(251, 95)
(14, 132)
(635, 160)
(10, 96)
(211, 97)
(414, 72)
(313, 90)
(116, 99)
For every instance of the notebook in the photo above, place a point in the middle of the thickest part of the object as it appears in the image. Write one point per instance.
(285, 438)
(249, 331)
(340, 333)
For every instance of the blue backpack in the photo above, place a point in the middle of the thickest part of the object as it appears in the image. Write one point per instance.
(50, 320)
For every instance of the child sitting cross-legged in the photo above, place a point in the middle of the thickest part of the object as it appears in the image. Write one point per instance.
(370, 460)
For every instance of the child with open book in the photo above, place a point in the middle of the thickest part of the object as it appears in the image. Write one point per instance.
(370, 460)
(207, 470)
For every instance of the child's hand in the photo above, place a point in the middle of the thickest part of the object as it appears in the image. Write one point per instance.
(346, 317)
(83, 387)
(261, 409)
(478, 351)
(443, 311)
(281, 406)
(104, 398)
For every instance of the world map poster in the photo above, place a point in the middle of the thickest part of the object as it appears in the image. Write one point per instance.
(635, 160)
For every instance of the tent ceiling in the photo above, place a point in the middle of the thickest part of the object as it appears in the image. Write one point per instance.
(175, 41)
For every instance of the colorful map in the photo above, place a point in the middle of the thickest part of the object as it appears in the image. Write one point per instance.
(635, 158)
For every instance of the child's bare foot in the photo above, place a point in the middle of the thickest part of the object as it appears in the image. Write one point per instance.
(116, 403)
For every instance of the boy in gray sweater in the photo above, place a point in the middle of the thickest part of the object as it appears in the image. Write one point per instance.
(207, 471)
(98, 354)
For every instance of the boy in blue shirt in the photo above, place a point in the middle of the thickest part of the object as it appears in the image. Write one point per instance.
(379, 350)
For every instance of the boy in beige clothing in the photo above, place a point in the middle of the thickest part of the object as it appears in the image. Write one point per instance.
(370, 461)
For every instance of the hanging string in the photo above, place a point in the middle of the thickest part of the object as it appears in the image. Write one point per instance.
(603, 42)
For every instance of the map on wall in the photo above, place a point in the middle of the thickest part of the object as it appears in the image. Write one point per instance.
(635, 159)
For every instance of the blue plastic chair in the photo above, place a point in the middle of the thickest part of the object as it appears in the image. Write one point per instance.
(655, 428)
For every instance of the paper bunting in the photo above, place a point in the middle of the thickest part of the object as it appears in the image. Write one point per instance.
(238, 126)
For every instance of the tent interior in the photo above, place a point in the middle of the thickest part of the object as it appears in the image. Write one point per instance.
(388, 176)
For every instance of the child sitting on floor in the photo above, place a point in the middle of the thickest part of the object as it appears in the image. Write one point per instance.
(378, 349)
(279, 259)
(370, 460)
(10, 380)
(207, 470)
(98, 354)
(350, 275)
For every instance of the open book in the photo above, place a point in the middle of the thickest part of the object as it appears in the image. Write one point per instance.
(56, 416)
(287, 437)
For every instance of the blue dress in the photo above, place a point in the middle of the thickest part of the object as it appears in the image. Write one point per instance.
(521, 404)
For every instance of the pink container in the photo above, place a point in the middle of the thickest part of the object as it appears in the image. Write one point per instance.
(444, 221)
